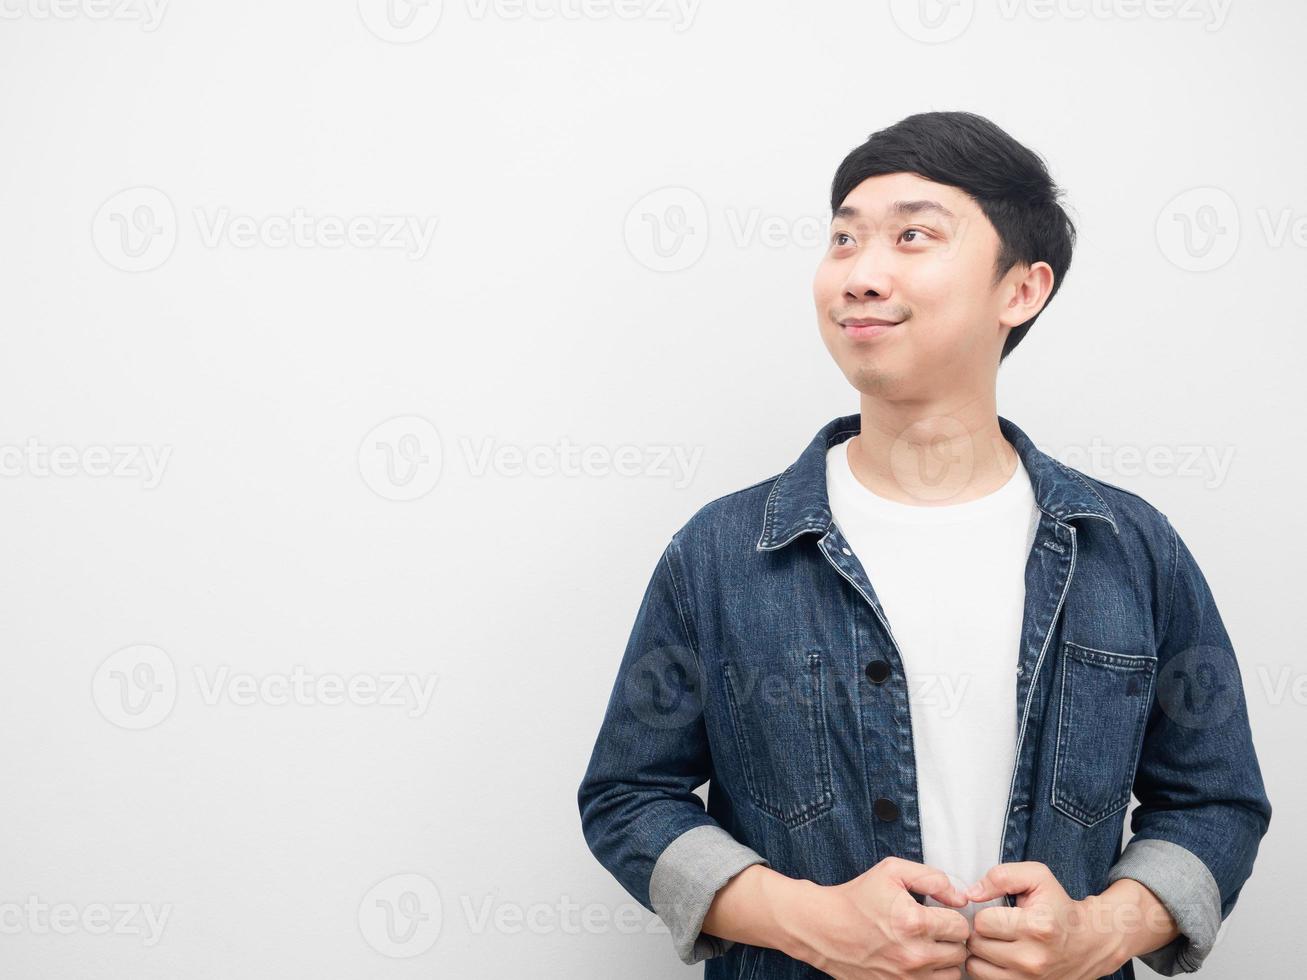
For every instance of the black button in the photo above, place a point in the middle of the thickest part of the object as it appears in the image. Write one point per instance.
(878, 671)
(885, 809)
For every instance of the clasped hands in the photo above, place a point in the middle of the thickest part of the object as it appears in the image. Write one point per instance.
(871, 928)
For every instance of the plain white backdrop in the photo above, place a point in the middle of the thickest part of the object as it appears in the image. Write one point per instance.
(358, 362)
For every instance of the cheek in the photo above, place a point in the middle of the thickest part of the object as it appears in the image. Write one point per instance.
(825, 284)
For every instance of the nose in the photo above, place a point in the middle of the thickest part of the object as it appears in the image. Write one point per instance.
(868, 278)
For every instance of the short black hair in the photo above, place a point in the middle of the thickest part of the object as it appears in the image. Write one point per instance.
(1009, 182)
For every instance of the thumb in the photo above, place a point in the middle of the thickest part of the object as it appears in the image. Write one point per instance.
(1012, 878)
(925, 880)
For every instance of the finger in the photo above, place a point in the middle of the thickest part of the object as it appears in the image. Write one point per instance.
(949, 954)
(1012, 878)
(999, 952)
(946, 925)
(998, 922)
(979, 968)
(925, 880)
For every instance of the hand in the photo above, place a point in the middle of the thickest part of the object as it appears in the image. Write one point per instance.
(871, 928)
(1048, 935)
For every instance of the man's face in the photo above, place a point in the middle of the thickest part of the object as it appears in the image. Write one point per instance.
(920, 255)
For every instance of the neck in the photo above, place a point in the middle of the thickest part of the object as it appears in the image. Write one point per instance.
(931, 453)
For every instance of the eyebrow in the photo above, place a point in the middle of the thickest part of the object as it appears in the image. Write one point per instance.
(899, 208)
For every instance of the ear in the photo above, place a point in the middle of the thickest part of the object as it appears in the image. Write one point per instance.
(1027, 293)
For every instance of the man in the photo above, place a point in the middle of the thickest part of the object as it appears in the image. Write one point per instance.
(924, 667)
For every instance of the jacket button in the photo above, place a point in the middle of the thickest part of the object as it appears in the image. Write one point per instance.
(885, 809)
(878, 671)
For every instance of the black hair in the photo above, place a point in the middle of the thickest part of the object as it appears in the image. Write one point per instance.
(1009, 182)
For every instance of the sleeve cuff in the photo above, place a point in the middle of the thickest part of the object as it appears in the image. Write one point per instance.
(687, 876)
(1182, 883)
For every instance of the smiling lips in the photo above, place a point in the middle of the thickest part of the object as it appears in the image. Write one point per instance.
(865, 328)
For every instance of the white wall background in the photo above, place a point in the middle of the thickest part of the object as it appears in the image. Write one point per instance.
(156, 324)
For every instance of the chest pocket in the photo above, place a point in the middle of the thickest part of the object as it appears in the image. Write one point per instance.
(1103, 707)
(778, 713)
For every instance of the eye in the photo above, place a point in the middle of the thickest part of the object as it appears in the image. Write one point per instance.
(835, 238)
(912, 231)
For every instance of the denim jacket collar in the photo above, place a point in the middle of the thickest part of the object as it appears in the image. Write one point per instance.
(799, 503)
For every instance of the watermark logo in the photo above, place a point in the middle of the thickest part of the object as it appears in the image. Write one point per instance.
(136, 687)
(136, 229)
(1194, 688)
(663, 688)
(932, 21)
(400, 916)
(667, 230)
(1198, 229)
(401, 458)
(400, 21)
(933, 458)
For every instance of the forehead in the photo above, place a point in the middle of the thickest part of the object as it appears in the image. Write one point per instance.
(907, 194)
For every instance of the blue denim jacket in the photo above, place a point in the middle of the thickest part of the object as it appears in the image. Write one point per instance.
(761, 663)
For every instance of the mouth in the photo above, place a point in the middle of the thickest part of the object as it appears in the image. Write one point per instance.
(865, 328)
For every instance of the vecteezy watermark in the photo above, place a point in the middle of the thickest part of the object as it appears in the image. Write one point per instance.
(1200, 229)
(1285, 683)
(133, 462)
(401, 916)
(938, 21)
(398, 232)
(40, 918)
(679, 13)
(1209, 463)
(1211, 14)
(771, 690)
(1194, 689)
(147, 13)
(406, 21)
(136, 230)
(400, 21)
(403, 459)
(137, 687)
(669, 229)
(412, 692)
(491, 915)
(569, 459)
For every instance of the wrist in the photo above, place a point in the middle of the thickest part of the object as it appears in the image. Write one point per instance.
(1136, 921)
(1111, 940)
(791, 905)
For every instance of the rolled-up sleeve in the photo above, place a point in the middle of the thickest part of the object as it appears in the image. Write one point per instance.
(1203, 808)
(640, 815)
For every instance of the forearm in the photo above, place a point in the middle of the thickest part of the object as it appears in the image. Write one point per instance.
(759, 907)
(1135, 920)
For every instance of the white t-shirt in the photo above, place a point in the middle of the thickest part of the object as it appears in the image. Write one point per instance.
(951, 582)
